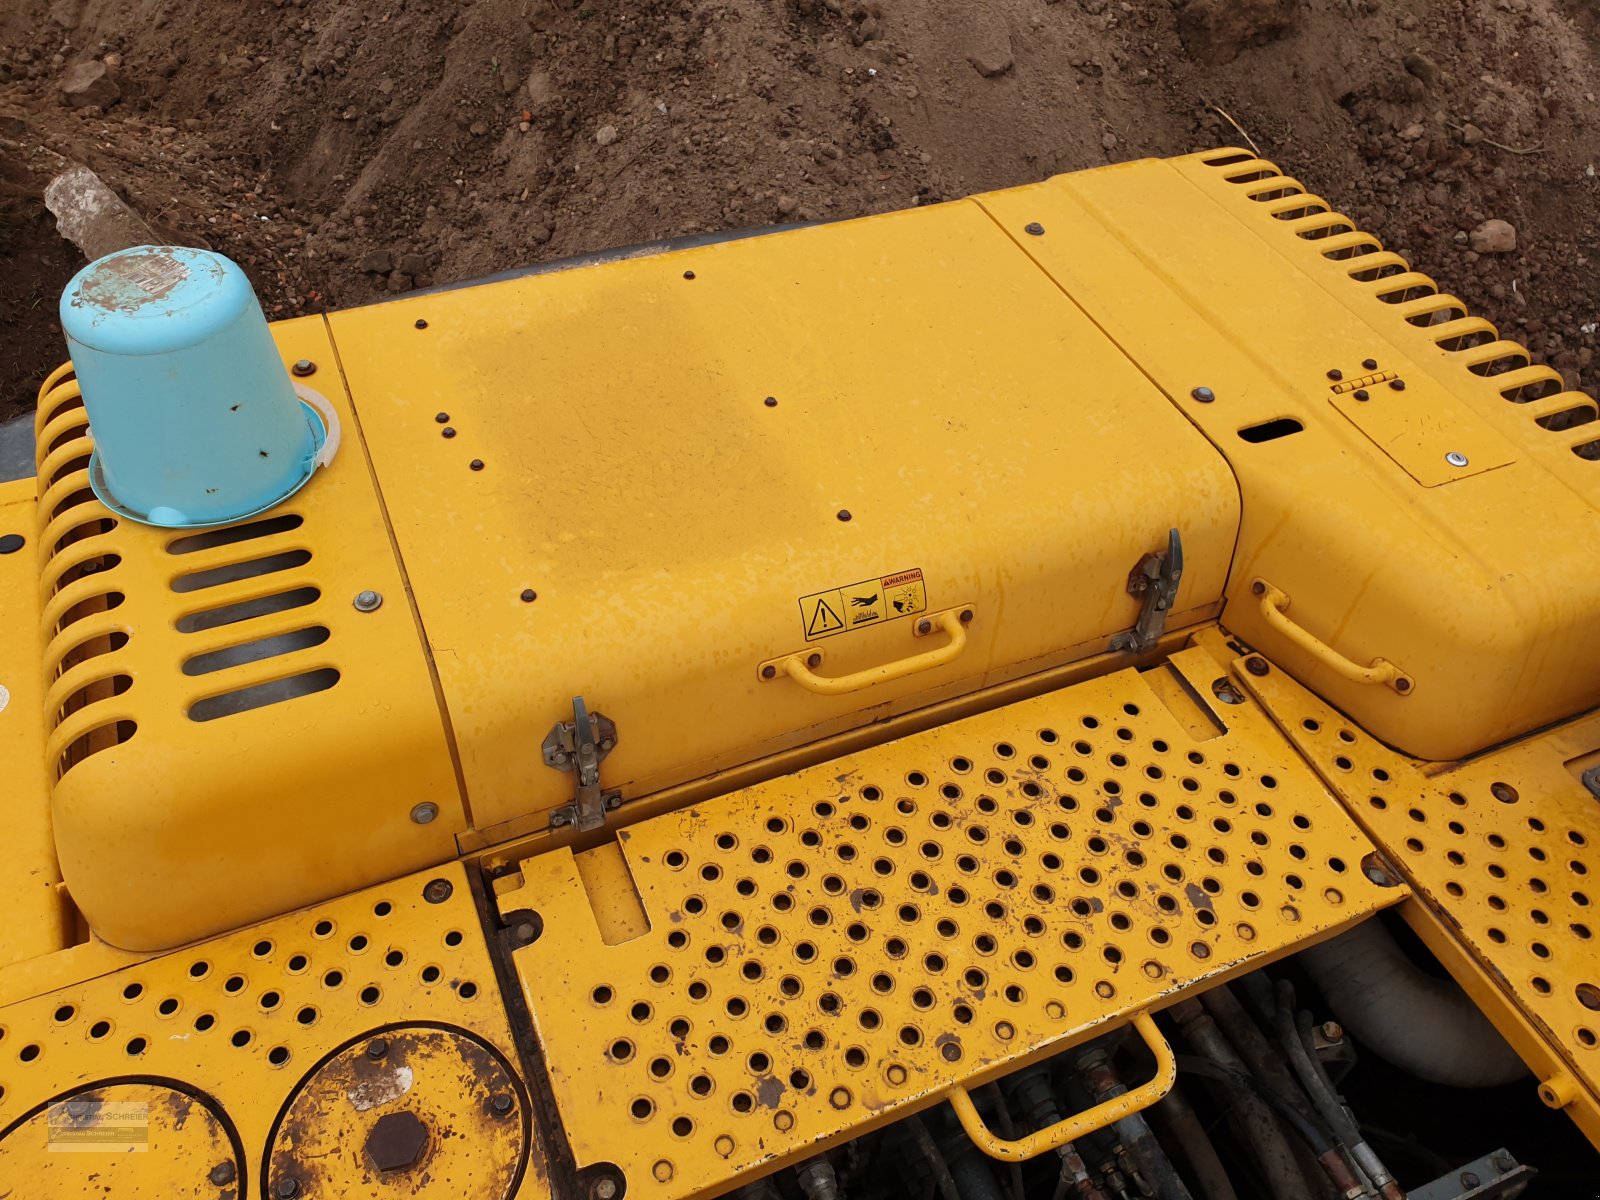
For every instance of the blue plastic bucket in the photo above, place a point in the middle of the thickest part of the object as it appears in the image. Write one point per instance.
(195, 420)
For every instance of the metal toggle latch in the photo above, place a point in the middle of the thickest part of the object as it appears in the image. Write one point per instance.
(579, 746)
(1154, 579)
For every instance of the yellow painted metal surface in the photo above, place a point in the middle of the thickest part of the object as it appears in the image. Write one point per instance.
(1070, 1129)
(939, 407)
(269, 1024)
(439, 1095)
(860, 940)
(131, 1141)
(158, 816)
(1215, 271)
(36, 918)
(1500, 851)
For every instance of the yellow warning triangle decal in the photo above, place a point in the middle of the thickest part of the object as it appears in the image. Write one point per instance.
(823, 620)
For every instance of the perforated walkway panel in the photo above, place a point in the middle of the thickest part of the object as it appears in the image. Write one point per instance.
(843, 945)
(1501, 854)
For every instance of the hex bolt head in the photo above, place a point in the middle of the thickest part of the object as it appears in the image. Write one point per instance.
(813, 661)
(604, 1188)
(769, 671)
(1335, 374)
(397, 1141)
(1398, 385)
(688, 274)
(368, 601)
(449, 431)
(1456, 459)
(287, 1188)
(1370, 364)
(966, 616)
(420, 323)
(476, 464)
(1203, 394)
(1377, 871)
(377, 1048)
(1033, 229)
(424, 813)
(529, 595)
(924, 626)
(222, 1174)
(1333, 1031)
(1360, 394)
(843, 514)
(442, 418)
(771, 402)
(437, 891)
(502, 1104)
(304, 367)
(1469, 1180)
(1256, 665)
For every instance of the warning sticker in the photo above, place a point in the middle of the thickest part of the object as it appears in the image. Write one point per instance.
(858, 605)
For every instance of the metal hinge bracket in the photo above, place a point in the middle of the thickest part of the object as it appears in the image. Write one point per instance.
(1154, 580)
(579, 746)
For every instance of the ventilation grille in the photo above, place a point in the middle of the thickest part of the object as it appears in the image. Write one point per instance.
(1474, 342)
(237, 599)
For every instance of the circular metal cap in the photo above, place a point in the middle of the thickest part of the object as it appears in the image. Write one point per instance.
(437, 1118)
(425, 812)
(1456, 459)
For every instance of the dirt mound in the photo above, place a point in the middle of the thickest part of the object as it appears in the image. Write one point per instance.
(342, 152)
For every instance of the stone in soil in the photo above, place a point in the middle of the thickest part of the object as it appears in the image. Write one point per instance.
(1494, 237)
(1215, 31)
(88, 84)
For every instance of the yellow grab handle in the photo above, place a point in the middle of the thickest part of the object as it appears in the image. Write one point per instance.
(796, 667)
(1273, 604)
(1105, 1113)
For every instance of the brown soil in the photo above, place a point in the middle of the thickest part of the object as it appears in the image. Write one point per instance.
(344, 151)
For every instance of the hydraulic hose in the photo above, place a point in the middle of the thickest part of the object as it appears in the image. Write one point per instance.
(1324, 1096)
(1198, 1151)
(930, 1155)
(1155, 1168)
(1427, 1027)
(1316, 1137)
(1271, 1149)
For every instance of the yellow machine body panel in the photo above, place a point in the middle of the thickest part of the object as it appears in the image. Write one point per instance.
(185, 802)
(1402, 506)
(811, 443)
(38, 918)
(917, 757)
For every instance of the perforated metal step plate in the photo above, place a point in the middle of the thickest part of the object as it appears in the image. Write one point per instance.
(832, 948)
(380, 1006)
(1501, 854)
